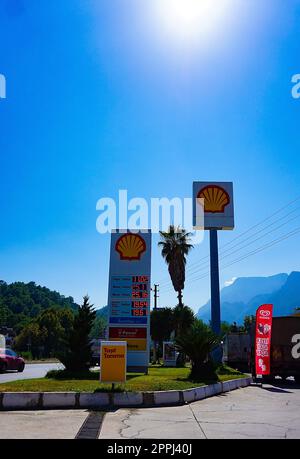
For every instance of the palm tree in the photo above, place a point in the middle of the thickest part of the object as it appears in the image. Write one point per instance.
(197, 343)
(176, 246)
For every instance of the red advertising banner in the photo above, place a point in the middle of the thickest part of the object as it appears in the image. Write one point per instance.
(124, 332)
(263, 335)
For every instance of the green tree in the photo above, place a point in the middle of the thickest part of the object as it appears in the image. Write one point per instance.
(78, 356)
(19, 321)
(24, 302)
(31, 339)
(225, 327)
(248, 322)
(161, 327)
(4, 314)
(197, 343)
(175, 246)
(49, 321)
(66, 318)
(99, 327)
(47, 334)
(183, 319)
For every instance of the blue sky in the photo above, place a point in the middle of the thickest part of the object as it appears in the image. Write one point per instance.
(100, 98)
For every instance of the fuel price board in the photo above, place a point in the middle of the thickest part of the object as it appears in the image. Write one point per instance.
(129, 294)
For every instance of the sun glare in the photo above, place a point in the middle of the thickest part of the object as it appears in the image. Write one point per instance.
(189, 20)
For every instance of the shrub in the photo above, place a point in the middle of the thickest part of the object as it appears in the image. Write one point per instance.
(69, 375)
(197, 343)
(27, 355)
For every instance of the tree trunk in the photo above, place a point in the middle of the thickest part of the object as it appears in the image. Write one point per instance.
(203, 370)
(180, 298)
(154, 353)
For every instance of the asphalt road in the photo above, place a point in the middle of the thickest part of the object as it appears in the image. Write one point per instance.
(34, 370)
(251, 412)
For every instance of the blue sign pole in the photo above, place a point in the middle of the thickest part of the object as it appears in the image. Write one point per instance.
(214, 282)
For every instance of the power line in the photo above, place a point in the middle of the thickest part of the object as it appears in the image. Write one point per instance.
(222, 256)
(263, 221)
(204, 265)
(254, 226)
(254, 252)
(249, 254)
(260, 249)
(261, 237)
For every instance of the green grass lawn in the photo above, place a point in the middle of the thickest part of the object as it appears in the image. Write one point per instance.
(159, 378)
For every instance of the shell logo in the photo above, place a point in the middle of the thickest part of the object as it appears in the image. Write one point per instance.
(130, 246)
(215, 198)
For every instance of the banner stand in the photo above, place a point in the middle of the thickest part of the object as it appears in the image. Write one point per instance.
(263, 334)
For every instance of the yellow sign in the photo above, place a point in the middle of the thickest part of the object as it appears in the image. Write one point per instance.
(113, 361)
(136, 344)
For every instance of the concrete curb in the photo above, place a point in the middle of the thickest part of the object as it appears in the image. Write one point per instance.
(10, 401)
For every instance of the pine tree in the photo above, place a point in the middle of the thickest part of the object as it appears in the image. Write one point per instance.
(79, 354)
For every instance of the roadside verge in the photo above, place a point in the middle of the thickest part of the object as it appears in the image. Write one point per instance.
(101, 400)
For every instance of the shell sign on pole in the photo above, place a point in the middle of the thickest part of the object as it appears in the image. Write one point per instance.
(113, 362)
(213, 205)
(213, 210)
(129, 295)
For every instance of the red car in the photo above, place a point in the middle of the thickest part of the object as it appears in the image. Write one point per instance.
(9, 360)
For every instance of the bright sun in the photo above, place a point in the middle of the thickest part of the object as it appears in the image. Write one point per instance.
(189, 20)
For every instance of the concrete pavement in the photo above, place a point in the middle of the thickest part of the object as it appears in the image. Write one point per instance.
(251, 412)
(58, 424)
(32, 370)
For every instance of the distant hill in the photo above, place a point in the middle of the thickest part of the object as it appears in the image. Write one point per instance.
(102, 312)
(245, 294)
(21, 302)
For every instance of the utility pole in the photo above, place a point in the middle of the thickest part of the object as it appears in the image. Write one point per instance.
(155, 350)
(156, 290)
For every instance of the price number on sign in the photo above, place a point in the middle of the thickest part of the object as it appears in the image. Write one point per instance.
(139, 312)
(139, 294)
(139, 304)
(140, 279)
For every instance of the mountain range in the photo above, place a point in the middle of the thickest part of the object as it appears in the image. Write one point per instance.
(246, 294)
(102, 312)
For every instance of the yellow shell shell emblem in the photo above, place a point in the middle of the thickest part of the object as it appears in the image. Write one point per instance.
(215, 198)
(130, 246)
